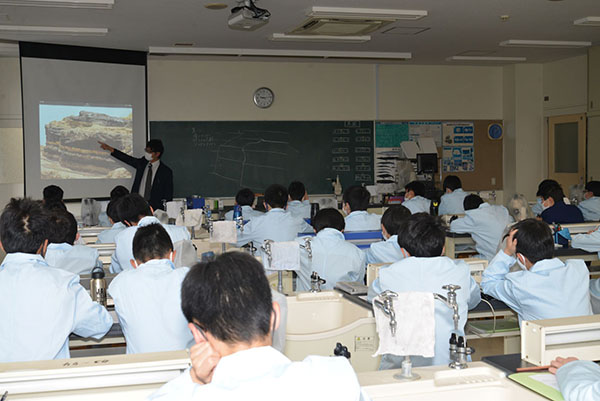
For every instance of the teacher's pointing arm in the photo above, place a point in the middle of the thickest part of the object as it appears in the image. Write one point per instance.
(117, 154)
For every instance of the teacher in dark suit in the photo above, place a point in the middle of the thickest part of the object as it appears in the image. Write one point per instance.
(153, 179)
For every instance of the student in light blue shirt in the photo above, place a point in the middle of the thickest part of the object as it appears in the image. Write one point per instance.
(244, 198)
(108, 236)
(135, 212)
(355, 203)
(545, 287)
(147, 297)
(486, 224)
(577, 380)
(40, 306)
(425, 269)
(590, 207)
(590, 242)
(61, 253)
(414, 198)
(454, 196)
(276, 224)
(333, 258)
(388, 251)
(232, 316)
(298, 204)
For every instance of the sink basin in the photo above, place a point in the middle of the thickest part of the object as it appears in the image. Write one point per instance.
(479, 381)
(318, 321)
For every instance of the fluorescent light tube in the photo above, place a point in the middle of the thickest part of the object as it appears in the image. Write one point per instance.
(54, 30)
(587, 21)
(487, 58)
(280, 53)
(283, 37)
(353, 12)
(557, 44)
(98, 4)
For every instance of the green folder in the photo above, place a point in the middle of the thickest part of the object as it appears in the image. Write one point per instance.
(487, 326)
(524, 379)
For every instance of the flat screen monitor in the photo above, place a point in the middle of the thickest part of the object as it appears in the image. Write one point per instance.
(427, 163)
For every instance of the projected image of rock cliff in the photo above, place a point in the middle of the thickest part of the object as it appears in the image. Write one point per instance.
(69, 138)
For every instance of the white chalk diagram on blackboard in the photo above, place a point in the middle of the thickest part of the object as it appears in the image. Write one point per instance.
(248, 155)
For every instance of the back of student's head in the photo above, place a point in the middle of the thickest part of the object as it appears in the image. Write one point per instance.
(23, 226)
(417, 187)
(132, 208)
(534, 240)
(593, 187)
(472, 202)
(357, 197)
(63, 227)
(544, 185)
(553, 191)
(112, 211)
(118, 192)
(156, 145)
(53, 194)
(422, 235)
(452, 183)
(151, 242)
(244, 197)
(276, 196)
(328, 218)
(296, 190)
(229, 297)
(393, 217)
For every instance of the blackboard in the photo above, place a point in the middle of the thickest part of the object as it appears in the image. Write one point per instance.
(216, 158)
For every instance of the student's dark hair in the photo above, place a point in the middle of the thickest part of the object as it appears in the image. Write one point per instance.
(553, 191)
(54, 205)
(229, 297)
(244, 197)
(296, 190)
(452, 183)
(118, 192)
(594, 187)
(357, 197)
(422, 235)
(112, 212)
(328, 218)
(417, 187)
(53, 194)
(393, 217)
(151, 242)
(132, 208)
(156, 145)
(62, 227)
(472, 202)
(534, 240)
(276, 196)
(544, 185)
(23, 226)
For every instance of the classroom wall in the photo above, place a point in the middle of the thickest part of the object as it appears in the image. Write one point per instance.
(565, 84)
(11, 133)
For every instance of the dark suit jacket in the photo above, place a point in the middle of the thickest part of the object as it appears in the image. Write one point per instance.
(162, 186)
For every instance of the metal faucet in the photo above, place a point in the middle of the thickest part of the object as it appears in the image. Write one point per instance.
(268, 250)
(459, 352)
(316, 282)
(239, 223)
(208, 223)
(387, 306)
(307, 247)
(450, 301)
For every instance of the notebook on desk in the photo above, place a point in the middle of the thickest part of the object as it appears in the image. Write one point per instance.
(544, 384)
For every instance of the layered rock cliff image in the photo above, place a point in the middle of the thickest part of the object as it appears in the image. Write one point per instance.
(72, 149)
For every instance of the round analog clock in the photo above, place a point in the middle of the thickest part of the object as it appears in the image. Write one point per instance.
(263, 97)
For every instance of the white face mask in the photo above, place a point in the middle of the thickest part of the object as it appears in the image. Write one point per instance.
(544, 207)
(148, 156)
(521, 265)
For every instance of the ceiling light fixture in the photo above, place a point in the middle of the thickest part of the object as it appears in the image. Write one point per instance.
(283, 37)
(97, 4)
(487, 58)
(54, 30)
(211, 51)
(587, 21)
(555, 44)
(355, 12)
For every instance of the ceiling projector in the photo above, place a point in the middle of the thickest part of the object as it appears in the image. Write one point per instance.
(248, 17)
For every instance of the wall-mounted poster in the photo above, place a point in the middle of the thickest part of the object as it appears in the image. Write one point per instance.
(458, 150)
